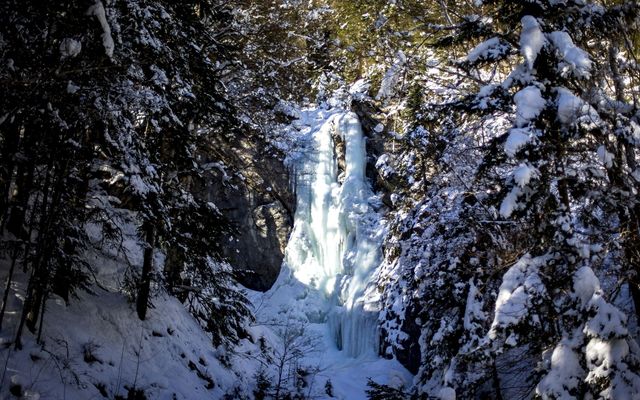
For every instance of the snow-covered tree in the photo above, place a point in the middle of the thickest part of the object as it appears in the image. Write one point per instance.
(104, 123)
(534, 96)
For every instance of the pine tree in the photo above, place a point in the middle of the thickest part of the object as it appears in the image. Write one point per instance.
(555, 188)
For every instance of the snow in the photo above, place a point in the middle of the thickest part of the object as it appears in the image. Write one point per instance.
(608, 321)
(384, 166)
(634, 132)
(447, 393)
(483, 96)
(70, 48)
(486, 90)
(605, 157)
(531, 40)
(607, 351)
(391, 80)
(523, 174)
(139, 186)
(97, 10)
(564, 376)
(510, 290)
(603, 355)
(473, 310)
(360, 89)
(606, 359)
(159, 76)
(529, 104)
(521, 284)
(575, 60)
(585, 284)
(510, 202)
(488, 50)
(573, 110)
(518, 138)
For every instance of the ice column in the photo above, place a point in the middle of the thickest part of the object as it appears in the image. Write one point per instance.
(335, 246)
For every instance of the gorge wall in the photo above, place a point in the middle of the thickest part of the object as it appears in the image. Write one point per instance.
(258, 201)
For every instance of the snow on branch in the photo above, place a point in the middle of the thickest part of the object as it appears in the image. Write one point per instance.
(98, 11)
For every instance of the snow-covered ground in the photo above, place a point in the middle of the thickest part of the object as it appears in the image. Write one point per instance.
(284, 308)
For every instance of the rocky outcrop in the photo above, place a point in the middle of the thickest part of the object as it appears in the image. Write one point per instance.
(250, 185)
(374, 127)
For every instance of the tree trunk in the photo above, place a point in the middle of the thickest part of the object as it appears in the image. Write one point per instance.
(142, 302)
(496, 381)
(40, 277)
(62, 276)
(27, 249)
(7, 289)
(24, 184)
(626, 152)
(172, 270)
(10, 148)
(33, 312)
(23, 317)
(631, 247)
(42, 311)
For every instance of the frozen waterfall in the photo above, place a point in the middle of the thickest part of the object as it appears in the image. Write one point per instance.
(326, 290)
(335, 246)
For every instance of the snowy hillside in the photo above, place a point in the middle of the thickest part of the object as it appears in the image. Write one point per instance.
(97, 347)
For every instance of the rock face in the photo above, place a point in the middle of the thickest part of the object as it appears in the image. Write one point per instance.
(259, 203)
(372, 120)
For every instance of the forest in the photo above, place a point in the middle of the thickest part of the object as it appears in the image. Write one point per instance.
(320, 199)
